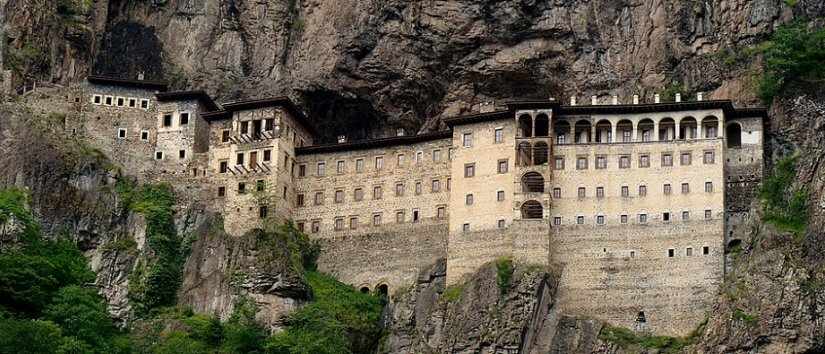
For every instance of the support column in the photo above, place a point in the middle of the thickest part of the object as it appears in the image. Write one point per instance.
(655, 136)
(613, 136)
(720, 132)
(633, 134)
(676, 130)
(533, 124)
(518, 127)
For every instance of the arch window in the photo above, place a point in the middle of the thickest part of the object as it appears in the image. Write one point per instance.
(709, 126)
(561, 129)
(532, 209)
(540, 153)
(667, 129)
(542, 125)
(688, 128)
(524, 154)
(532, 182)
(583, 131)
(525, 124)
(645, 130)
(624, 130)
(604, 132)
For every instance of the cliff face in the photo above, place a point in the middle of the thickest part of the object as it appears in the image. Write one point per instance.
(365, 67)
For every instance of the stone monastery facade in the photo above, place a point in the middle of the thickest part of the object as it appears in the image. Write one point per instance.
(635, 202)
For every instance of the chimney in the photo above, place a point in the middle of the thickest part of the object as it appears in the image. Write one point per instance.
(140, 76)
(656, 98)
(594, 100)
(486, 107)
(678, 97)
(635, 99)
(572, 100)
(615, 99)
(342, 139)
(399, 132)
(699, 96)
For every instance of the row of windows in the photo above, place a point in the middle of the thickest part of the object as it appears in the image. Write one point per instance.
(641, 218)
(377, 192)
(467, 138)
(118, 101)
(377, 163)
(353, 222)
(624, 160)
(167, 119)
(625, 190)
(122, 133)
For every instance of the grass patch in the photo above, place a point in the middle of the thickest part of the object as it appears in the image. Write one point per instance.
(785, 205)
(742, 316)
(504, 273)
(13, 209)
(453, 292)
(628, 340)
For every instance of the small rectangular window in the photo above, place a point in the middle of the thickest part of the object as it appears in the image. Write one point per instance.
(708, 214)
(559, 163)
(418, 188)
(353, 223)
(263, 211)
(416, 215)
(623, 219)
(244, 128)
(582, 192)
(223, 166)
(319, 198)
(666, 189)
(340, 167)
(666, 217)
(241, 188)
(239, 159)
(644, 161)
(581, 163)
(557, 220)
(121, 101)
(465, 227)
(556, 193)
(685, 159)
(144, 104)
(685, 188)
(315, 227)
(642, 218)
(670, 253)
(705, 250)
(601, 162)
(600, 219)
(359, 165)
(599, 192)
(167, 120)
(379, 163)
(399, 217)
(399, 189)
(468, 199)
(97, 99)
(301, 226)
(708, 158)
(182, 154)
(667, 159)
(502, 223)
(339, 196)
(625, 191)
(500, 196)
(260, 185)
(376, 192)
(184, 118)
(448, 182)
(441, 212)
(469, 170)
(268, 156)
(499, 135)
(132, 103)
(221, 191)
(685, 215)
(158, 155)
(419, 157)
(299, 200)
(339, 224)
(225, 136)
(358, 194)
(642, 190)
(144, 135)
(399, 160)
(624, 161)
(121, 133)
(467, 139)
(502, 166)
(321, 169)
(580, 220)
(436, 155)
(376, 219)
(109, 100)
(708, 187)
(436, 186)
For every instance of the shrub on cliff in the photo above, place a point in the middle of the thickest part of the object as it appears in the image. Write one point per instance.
(794, 54)
(784, 203)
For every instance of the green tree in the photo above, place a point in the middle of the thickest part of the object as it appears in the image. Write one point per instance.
(29, 337)
(794, 54)
(81, 313)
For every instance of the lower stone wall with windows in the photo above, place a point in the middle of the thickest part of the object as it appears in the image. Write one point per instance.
(390, 255)
(667, 273)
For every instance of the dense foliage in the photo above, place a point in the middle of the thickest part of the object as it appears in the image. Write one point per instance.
(794, 54)
(504, 273)
(630, 341)
(785, 203)
(48, 303)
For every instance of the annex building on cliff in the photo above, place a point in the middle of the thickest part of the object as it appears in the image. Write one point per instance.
(635, 203)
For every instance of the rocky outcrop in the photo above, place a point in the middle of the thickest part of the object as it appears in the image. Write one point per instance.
(258, 265)
(366, 67)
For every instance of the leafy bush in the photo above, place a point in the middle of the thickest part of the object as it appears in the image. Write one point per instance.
(784, 204)
(741, 315)
(626, 339)
(794, 54)
(13, 207)
(81, 313)
(339, 320)
(453, 292)
(504, 273)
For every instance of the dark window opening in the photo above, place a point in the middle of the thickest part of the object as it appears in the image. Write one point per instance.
(167, 120)
(184, 118)
(532, 209)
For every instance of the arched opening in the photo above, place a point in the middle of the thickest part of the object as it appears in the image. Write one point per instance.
(562, 131)
(532, 209)
(624, 130)
(709, 127)
(542, 125)
(667, 129)
(383, 290)
(644, 130)
(687, 128)
(604, 131)
(532, 182)
(583, 131)
(540, 153)
(640, 317)
(733, 244)
(733, 132)
(365, 290)
(524, 154)
(525, 125)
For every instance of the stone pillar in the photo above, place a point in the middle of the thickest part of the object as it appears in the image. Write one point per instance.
(655, 136)
(720, 132)
(533, 124)
(633, 134)
(676, 130)
(518, 127)
(613, 137)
